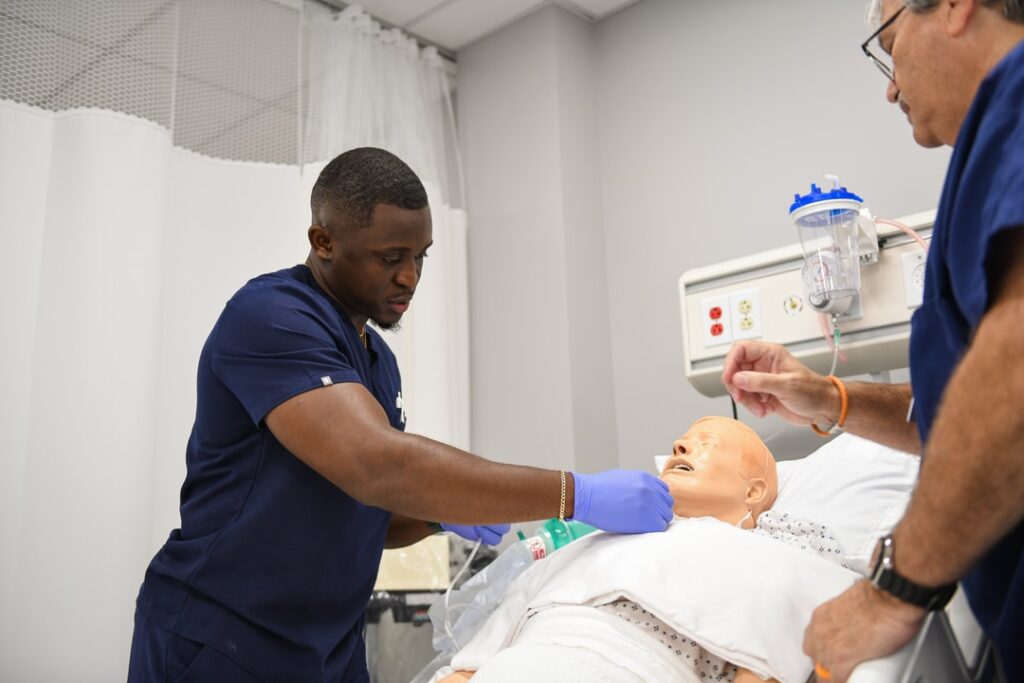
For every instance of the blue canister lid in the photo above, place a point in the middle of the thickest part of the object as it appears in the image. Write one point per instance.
(818, 195)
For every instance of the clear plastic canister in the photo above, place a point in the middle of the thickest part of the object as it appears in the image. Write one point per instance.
(827, 224)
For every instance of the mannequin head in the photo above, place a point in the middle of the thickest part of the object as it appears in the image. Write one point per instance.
(720, 468)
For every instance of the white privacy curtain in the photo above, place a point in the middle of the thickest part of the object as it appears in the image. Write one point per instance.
(126, 221)
(376, 87)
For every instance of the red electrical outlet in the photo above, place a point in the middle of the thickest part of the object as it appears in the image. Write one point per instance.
(715, 320)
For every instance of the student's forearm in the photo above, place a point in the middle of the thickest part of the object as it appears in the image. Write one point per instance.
(972, 476)
(405, 531)
(342, 433)
(426, 475)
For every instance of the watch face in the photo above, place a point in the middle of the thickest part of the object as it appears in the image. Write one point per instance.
(881, 559)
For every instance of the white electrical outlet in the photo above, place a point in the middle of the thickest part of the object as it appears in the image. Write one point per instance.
(913, 277)
(715, 321)
(745, 307)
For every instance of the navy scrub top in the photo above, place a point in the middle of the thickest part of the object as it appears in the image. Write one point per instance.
(983, 196)
(273, 565)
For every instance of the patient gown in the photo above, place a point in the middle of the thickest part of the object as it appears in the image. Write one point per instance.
(814, 538)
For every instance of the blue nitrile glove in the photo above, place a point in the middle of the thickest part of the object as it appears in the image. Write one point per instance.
(624, 501)
(488, 533)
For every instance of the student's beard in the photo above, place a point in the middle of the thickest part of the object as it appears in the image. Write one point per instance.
(387, 327)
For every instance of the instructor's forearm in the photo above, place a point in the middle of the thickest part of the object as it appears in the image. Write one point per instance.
(878, 412)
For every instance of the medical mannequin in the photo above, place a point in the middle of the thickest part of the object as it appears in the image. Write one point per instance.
(719, 468)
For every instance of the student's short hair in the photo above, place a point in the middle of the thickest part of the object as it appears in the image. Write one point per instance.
(355, 182)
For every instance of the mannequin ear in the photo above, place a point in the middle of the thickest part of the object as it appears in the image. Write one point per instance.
(320, 240)
(757, 489)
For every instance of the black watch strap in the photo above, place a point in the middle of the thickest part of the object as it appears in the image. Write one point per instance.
(916, 594)
(885, 577)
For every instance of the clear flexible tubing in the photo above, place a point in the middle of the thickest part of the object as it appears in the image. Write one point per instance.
(830, 331)
(835, 344)
(910, 231)
(447, 594)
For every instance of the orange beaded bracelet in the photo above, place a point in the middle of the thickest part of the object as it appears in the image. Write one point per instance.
(844, 407)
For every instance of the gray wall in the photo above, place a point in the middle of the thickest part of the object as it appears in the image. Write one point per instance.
(605, 160)
(541, 356)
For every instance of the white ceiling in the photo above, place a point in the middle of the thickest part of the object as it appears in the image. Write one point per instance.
(453, 24)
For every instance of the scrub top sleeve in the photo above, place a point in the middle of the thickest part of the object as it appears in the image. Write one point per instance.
(268, 349)
(1003, 211)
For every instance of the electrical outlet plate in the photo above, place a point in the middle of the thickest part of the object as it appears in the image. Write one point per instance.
(715, 320)
(913, 277)
(745, 307)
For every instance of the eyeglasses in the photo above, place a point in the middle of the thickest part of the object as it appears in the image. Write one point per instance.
(883, 61)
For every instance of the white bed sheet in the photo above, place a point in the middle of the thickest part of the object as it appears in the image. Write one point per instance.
(857, 488)
(742, 596)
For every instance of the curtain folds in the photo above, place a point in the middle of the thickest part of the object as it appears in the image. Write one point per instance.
(150, 165)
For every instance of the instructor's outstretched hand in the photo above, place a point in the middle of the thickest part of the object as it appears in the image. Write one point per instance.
(765, 378)
(624, 501)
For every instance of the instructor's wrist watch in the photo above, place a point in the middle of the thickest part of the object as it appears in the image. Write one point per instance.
(885, 577)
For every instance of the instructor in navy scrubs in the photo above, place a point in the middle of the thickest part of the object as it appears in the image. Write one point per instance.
(956, 69)
(299, 472)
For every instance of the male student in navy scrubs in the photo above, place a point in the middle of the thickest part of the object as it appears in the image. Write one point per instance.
(300, 473)
(956, 69)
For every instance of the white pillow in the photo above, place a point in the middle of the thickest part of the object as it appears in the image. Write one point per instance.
(857, 488)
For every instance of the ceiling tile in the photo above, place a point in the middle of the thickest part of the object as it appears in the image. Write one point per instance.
(399, 12)
(223, 124)
(598, 9)
(460, 22)
(244, 47)
(265, 135)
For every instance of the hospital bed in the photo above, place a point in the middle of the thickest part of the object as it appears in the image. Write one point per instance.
(856, 502)
(763, 297)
